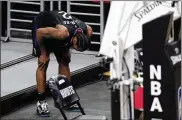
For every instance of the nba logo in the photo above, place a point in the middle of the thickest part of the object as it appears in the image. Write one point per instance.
(179, 102)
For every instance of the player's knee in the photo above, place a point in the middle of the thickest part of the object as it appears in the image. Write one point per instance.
(43, 62)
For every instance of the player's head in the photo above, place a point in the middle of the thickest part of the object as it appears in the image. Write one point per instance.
(80, 41)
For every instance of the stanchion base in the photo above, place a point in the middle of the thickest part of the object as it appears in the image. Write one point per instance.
(90, 117)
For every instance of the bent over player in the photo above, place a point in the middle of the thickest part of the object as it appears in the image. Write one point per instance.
(56, 32)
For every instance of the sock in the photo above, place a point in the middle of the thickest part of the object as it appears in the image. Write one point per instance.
(41, 96)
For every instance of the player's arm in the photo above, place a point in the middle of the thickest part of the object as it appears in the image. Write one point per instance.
(50, 32)
(89, 31)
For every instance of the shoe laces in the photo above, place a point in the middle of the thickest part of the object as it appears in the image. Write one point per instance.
(44, 106)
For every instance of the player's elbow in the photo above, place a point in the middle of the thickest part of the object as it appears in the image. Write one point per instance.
(89, 31)
(65, 33)
(39, 33)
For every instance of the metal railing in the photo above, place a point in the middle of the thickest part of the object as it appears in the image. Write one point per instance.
(10, 19)
(41, 4)
(0, 18)
(85, 13)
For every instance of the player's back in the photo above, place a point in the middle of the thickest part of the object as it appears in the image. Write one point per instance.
(52, 18)
(49, 19)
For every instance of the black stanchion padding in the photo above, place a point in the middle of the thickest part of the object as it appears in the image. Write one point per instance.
(162, 97)
(115, 104)
(177, 29)
(173, 48)
(177, 69)
(179, 44)
(89, 117)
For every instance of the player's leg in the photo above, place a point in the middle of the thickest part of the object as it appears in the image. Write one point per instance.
(63, 57)
(43, 62)
(40, 51)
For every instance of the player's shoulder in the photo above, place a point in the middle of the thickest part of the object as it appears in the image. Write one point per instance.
(77, 20)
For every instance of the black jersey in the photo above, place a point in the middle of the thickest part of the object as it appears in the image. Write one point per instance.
(52, 18)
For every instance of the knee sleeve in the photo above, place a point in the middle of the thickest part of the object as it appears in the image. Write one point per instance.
(43, 63)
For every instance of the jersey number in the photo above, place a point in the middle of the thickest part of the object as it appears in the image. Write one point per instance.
(65, 15)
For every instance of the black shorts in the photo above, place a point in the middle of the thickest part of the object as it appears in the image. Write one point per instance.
(61, 52)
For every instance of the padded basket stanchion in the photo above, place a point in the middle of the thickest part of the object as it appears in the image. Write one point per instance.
(63, 93)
